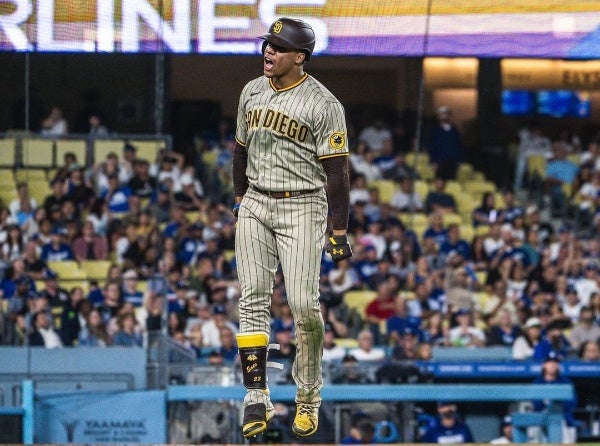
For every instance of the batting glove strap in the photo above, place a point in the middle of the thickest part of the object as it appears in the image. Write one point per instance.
(339, 248)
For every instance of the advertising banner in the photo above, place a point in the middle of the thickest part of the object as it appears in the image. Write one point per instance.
(101, 417)
(567, 29)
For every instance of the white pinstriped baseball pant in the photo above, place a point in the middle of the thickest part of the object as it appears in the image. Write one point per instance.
(290, 231)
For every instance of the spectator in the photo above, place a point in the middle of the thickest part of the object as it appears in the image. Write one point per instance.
(503, 331)
(78, 190)
(507, 432)
(74, 313)
(531, 142)
(55, 199)
(524, 345)
(376, 136)
(284, 336)
(553, 343)
(407, 199)
(23, 207)
(511, 210)
(13, 246)
(406, 346)
(43, 334)
(111, 302)
(584, 330)
(447, 428)
(141, 183)
(382, 307)
(362, 433)
(589, 351)
(465, 334)
(438, 199)
(126, 335)
(454, 243)
(331, 351)
(56, 250)
(487, 213)
(93, 334)
(188, 197)
(69, 161)
(228, 351)
(351, 372)
(89, 245)
(129, 289)
(444, 145)
(435, 329)
(366, 350)
(116, 196)
(211, 329)
(97, 129)
(587, 284)
(55, 124)
(570, 304)
(399, 321)
(550, 374)
(559, 172)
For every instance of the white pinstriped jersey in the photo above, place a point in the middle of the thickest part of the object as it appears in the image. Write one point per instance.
(287, 132)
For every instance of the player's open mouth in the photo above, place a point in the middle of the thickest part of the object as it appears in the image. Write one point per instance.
(268, 63)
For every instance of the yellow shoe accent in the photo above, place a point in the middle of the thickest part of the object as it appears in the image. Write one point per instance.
(249, 340)
(306, 420)
(256, 419)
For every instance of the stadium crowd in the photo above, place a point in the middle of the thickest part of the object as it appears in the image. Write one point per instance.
(516, 279)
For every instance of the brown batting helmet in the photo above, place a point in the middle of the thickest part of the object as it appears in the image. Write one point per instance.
(293, 34)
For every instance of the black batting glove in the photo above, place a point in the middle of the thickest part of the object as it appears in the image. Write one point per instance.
(339, 248)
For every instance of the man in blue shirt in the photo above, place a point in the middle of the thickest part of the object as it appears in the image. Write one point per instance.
(560, 172)
(56, 250)
(447, 428)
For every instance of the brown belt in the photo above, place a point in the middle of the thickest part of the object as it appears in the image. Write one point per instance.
(286, 194)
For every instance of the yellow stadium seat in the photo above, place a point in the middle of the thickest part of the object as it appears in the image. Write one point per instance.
(38, 152)
(477, 187)
(346, 342)
(453, 187)
(209, 157)
(359, 299)
(38, 190)
(386, 188)
(31, 175)
(70, 284)
(413, 219)
(7, 178)
(96, 269)
(142, 286)
(464, 173)
(451, 218)
(536, 166)
(7, 194)
(148, 150)
(76, 146)
(7, 151)
(413, 159)
(426, 172)
(229, 254)
(67, 270)
(467, 232)
(465, 204)
(422, 188)
(102, 147)
(482, 230)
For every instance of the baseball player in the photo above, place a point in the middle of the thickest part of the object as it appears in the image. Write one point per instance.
(290, 169)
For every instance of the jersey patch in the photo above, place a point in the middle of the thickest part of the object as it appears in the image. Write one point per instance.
(337, 140)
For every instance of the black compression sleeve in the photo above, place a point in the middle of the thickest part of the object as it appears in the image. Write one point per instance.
(338, 190)
(240, 162)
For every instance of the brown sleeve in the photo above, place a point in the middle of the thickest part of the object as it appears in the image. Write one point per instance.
(240, 162)
(338, 190)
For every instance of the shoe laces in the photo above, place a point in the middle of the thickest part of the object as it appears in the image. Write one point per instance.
(305, 410)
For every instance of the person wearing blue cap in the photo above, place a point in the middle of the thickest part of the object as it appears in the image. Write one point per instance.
(551, 374)
(448, 427)
(56, 250)
(506, 430)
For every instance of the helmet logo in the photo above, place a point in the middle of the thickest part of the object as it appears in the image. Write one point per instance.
(277, 26)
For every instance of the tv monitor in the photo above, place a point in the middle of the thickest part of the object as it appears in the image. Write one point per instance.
(518, 103)
(563, 103)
